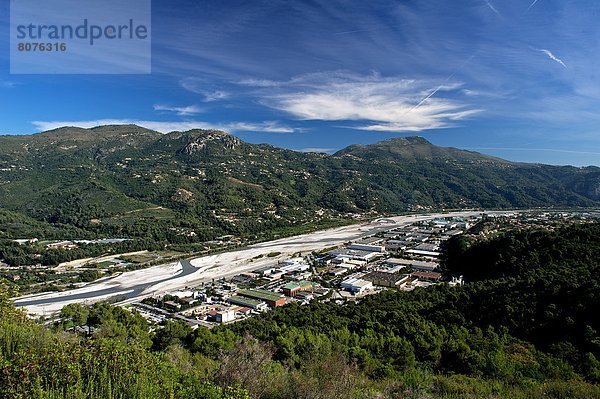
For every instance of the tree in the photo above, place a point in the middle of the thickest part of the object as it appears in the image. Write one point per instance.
(76, 313)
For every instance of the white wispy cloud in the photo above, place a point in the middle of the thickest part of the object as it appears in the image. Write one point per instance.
(376, 103)
(7, 84)
(204, 88)
(170, 126)
(553, 57)
(267, 126)
(259, 83)
(181, 111)
(491, 7)
(490, 94)
(216, 95)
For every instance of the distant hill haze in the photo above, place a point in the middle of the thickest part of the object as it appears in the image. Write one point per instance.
(117, 180)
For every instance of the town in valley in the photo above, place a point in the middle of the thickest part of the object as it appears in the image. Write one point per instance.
(404, 256)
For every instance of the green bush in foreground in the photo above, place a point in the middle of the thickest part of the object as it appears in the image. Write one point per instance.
(527, 329)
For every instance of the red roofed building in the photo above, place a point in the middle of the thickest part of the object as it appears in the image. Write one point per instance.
(428, 276)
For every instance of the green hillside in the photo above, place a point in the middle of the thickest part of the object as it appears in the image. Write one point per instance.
(521, 329)
(130, 181)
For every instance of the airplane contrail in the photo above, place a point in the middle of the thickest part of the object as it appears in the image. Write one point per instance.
(553, 57)
(351, 31)
(440, 86)
(491, 6)
(432, 93)
(532, 4)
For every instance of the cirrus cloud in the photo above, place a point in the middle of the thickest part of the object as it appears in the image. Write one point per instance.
(553, 57)
(371, 102)
(208, 90)
(181, 111)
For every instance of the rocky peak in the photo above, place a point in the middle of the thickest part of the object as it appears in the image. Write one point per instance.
(198, 140)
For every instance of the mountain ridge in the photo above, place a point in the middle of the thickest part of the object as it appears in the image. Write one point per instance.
(116, 131)
(414, 148)
(98, 179)
(397, 143)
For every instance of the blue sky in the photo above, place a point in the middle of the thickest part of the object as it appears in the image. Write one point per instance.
(512, 78)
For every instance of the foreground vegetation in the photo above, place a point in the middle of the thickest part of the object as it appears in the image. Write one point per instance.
(524, 327)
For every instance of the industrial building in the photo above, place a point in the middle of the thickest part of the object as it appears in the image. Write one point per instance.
(367, 247)
(415, 264)
(429, 254)
(291, 289)
(221, 316)
(384, 279)
(271, 298)
(248, 303)
(395, 245)
(428, 276)
(337, 271)
(370, 240)
(342, 255)
(225, 316)
(356, 285)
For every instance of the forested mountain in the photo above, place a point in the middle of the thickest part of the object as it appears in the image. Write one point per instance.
(131, 181)
(525, 327)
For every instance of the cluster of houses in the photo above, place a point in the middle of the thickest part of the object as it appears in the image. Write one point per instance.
(403, 258)
(291, 269)
(68, 245)
(244, 295)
